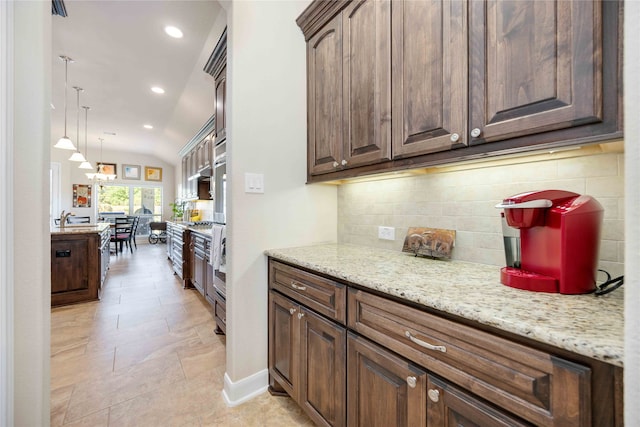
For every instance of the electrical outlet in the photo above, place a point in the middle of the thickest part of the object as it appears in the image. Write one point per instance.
(386, 233)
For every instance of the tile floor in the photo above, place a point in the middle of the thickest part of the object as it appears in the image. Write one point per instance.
(146, 355)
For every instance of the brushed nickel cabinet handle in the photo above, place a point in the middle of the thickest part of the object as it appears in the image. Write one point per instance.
(455, 137)
(292, 310)
(294, 285)
(300, 315)
(434, 395)
(344, 163)
(424, 343)
(476, 132)
(411, 381)
(335, 164)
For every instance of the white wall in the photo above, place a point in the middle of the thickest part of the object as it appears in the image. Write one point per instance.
(266, 129)
(71, 174)
(632, 208)
(31, 250)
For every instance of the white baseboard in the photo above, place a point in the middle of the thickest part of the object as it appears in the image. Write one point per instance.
(236, 393)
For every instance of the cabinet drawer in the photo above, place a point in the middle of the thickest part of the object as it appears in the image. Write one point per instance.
(520, 379)
(220, 311)
(318, 293)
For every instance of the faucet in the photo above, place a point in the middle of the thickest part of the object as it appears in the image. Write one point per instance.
(63, 217)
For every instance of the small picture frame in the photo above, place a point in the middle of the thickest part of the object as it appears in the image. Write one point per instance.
(152, 173)
(131, 171)
(108, 168)
(81, 196)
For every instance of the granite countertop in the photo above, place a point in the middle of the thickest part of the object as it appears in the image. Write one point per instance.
(584, 324)
(80, 228)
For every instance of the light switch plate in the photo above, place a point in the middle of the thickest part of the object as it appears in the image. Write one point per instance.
(253, 182)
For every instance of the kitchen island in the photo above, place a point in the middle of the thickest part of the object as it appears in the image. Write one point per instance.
(79, 262)
(445, 334)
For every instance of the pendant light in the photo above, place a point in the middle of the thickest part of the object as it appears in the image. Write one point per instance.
(100, 175)
(77, 156)
(85, 164)
(64, 142)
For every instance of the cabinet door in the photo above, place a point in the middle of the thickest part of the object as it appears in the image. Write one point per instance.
(382, 389)
(450, 406)
(324, 98)
(366, 89)
(429, 76)
(535, 66)
(69, 265)
(199, 271)
(284, 342)
(221, 105)
(323, 377)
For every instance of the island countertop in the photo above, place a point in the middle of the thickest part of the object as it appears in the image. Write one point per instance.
(80, 228)
(584, 324)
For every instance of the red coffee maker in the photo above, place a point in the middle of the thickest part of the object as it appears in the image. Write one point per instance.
(559, 241)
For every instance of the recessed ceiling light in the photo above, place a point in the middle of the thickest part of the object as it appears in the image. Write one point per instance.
(148, 127)
(157, 89)
(173, 31)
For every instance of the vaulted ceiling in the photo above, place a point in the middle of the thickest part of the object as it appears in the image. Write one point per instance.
(120, 50)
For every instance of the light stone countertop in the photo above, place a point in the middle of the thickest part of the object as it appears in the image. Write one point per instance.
(584, 324)
(80, 228)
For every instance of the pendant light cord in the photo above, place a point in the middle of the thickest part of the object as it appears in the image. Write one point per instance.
(86, 112)
(78, 90)
(66, 76)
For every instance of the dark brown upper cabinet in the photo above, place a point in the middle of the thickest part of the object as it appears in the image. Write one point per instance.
(216, 66)
(429, 76)
(409, 84)
(349, 88)
(535, 66)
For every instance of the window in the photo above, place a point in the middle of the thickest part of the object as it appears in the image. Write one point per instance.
(121, 200)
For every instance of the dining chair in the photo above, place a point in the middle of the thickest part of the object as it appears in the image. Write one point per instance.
(135, 219)
(121, 233)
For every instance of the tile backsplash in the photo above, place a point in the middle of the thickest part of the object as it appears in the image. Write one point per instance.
(464, 200)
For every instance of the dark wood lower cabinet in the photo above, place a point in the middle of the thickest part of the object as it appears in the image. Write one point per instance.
(79, 263)
(448, 405)
(396, 365)
(284, 342)
(307, 360)
(322, 369)
(383, 389)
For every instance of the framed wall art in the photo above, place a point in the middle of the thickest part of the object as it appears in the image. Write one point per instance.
(108, 168)
(81, 196)
(131, 171)
(152, 173)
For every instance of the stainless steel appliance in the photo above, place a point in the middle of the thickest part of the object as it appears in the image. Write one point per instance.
(220, 183)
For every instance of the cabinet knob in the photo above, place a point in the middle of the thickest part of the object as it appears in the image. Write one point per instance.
(335, 164)
(411, 381)
(455, 137)
(292, 310)
(300, 315)
(344, 163)
(475, 132)
(434, 395)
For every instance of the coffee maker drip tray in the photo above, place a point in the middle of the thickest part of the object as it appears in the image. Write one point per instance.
(528, 280)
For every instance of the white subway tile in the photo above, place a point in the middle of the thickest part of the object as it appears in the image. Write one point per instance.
(612, 186)
(589, 166)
